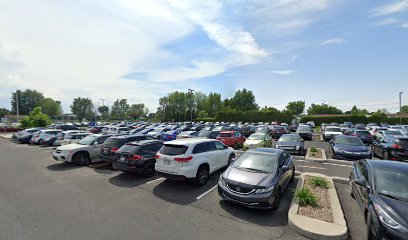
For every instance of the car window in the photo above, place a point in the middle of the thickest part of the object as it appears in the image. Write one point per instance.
(362, 168)
(219, 145)
(199, 148)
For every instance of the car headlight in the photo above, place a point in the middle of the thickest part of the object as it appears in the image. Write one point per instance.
(222, 181)
(336, 149)
(277, 146)
(387, 220)
(264, 190)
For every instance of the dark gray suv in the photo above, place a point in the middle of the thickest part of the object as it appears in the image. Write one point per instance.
(257, 178)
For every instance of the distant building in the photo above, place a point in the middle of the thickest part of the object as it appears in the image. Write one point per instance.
(12, 118)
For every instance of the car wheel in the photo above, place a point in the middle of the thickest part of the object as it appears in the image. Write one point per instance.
(276, 202)
(41, 142)
(236, 145)
(386, 155)
(148, 170)
(202, 176)
(292, 178)
(76, 158)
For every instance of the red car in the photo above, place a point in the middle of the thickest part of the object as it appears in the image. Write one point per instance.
(9, 129)
(231, 138)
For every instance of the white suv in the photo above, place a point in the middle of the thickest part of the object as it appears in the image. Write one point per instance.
(193, 159)
(83, 152)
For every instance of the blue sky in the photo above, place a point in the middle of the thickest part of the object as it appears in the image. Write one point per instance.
(340, 52)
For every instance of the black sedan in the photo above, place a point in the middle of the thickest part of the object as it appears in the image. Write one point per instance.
(391, 148)
(349, 148)
(381, 190)
(258, 178)
(291, 143)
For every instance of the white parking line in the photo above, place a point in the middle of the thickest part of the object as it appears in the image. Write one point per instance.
(298, 160)
(155, 180)
(314, 167)
(335, 164)
(202, 195)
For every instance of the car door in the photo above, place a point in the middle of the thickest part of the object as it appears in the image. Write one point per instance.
(222, 154)
(361, 173)
(201, 155)
(95, 149)
(286, 175)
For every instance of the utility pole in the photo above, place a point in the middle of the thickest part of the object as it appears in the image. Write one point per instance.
(103, 101)
(17, 107)
(191, 104)
(400, 105)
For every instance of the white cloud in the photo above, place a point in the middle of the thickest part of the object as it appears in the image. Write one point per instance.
(391, 8)
(404, 25)
(387, 21)
(333, 41)
(284, 72)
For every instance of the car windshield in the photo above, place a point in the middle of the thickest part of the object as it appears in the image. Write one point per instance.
(352, 141)
(333, 130)
(289, 138)
(262, 129)
(259, 162)
(256, 137)
(396, 133)
(303, 128)
(392, 182)
(363, 133)
(87, 140)
(225, 135)
(204, 134)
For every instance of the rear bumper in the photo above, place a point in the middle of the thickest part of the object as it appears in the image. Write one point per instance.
(125, 167)
(107, 159)
(171, 176)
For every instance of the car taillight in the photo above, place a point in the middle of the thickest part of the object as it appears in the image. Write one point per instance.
(156, 156)
(369, 136)
(185, 159)
(354, 135)
(396, 146)
(114, 149)
(135, 157)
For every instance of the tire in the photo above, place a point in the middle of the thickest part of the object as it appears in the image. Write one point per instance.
(148, 170)
(40, 142)
(236, 145)
(202, 176)
(385, 155)
(276, 203)
(82, 159)
(292, 178)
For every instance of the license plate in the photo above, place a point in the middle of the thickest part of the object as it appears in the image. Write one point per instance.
(166, 162)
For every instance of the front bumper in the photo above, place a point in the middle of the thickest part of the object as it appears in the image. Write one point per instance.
(62, 156)
(351, 156)
(258, 201)
(290, 149)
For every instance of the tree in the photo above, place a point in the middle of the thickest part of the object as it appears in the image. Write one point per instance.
(316, 109)
(358, 112)
(83, 108)
(120, 109)
(104, 111)
(404, 109)
(296, 108)
(213, 104)
(27, 101)
(51, 107)
(4, 111)
(200, 100)
(137, 111)
(36, 118)
(244, 100)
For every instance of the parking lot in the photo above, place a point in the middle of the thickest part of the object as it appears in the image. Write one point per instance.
(44, 199)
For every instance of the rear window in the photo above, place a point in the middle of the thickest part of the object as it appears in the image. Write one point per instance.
(403, 143)
(363, 133)
(130, 148)
(173, 150)
(333, 129)
(114, 142)
(225, 135)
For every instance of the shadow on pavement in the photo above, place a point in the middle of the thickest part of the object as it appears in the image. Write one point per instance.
(129, 180)
(64, 166)
(261, 217)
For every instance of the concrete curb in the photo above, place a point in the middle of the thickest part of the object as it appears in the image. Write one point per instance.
(324, 159)
(317, 229)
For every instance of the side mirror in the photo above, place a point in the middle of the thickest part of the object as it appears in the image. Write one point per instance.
(225, 146)
(361, 182)
(285, 168)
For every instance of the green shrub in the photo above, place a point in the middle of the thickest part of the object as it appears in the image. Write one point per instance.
(313, 150)
(320, 182)
(36, 118)
(305, 197)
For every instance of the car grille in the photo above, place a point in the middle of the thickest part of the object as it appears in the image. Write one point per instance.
(239, 189)
(58, 151)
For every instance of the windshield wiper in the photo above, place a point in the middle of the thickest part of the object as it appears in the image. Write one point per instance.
(253, 169)
(393, 197)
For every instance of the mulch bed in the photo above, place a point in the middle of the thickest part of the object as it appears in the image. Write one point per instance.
(323, 210)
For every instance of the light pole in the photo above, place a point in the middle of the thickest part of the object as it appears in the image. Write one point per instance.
(191, 104)
(17, 107)
(400, 105)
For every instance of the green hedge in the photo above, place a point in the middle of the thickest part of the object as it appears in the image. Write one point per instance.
(254, 116)
(354, 119)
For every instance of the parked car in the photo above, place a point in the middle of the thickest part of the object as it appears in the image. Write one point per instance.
(263, 129)
(137, 157)
(277, 131)
(381, 191)
(383, 133)
(349, 124)
(74, 138)
(330, 132)
(187, 134)
(374, 130)
(232, 139)
(66, 127)
(257, 140)
(360, 126)
(293, 127)
(349, 148)
(64, 134)
(343, 127)
(305, 132)
(247, 130)
(364, 135)
(24, 136)
(258, 178)
(45, 136)
(83, 152)
(194, 159)
(96, 129)
(5, 128)
(391, 148)
(208, 134)
(170, 135)
(112, 144)
(292, 143)
(312, 124)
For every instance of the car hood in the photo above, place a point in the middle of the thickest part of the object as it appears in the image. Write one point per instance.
(399, 207)
(333, 133)
(253, 142)
(247, 177)
(71, 146)
(350, 148)
(288, 143)
(303, 132)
